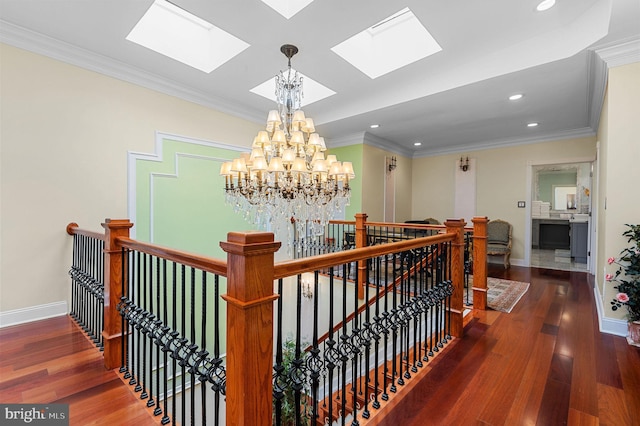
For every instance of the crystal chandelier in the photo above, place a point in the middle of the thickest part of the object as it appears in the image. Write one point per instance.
(286, 177)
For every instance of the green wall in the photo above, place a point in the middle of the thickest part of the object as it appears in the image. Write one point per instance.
(353, 153)
(179, 198)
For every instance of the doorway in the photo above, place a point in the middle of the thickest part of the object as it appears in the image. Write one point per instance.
(558, 235)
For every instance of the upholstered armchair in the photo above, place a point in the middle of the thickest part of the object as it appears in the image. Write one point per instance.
(432, 221)
(499, 235)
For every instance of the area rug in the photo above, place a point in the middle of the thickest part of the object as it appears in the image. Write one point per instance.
(502, 295)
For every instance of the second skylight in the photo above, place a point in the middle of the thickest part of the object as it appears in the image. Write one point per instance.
(180, 35)
(392, 43)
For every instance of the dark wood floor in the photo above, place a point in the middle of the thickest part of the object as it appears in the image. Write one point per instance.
(545, 363)
(52, 361)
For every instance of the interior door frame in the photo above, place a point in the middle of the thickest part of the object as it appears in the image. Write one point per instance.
(529, 197)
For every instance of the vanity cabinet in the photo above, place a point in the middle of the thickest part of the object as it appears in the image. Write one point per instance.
(579, 239)
(549, 234)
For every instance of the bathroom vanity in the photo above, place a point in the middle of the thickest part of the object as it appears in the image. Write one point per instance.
(566, 232)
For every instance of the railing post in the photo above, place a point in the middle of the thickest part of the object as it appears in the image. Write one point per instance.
(480, 262)
(112, 331)
(456, 226)
(361, 241)
(250, 259)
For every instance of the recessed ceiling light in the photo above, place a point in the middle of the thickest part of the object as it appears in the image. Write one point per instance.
(374, 126)
(516, 97)
(394, 42)
(180, 35)
(532, 124)
(545, 5)
(417, 143)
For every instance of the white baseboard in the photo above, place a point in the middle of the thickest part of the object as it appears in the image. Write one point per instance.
(608, 325)
(33, 313)
(496, 260)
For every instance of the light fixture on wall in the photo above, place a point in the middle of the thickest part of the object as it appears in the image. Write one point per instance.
(464, 164)
(307, 291)
(392, 163)
(286, 176)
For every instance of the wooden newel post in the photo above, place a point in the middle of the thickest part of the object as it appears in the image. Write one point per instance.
(456, 226)
(249, 300)
(480, 262)
(112, 332)
(361, 241)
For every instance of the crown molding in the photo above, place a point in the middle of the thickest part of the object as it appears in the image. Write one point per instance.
(32, 41)
(386, 145)
(502, 143)
(346, 140)
(597, 79)
(620, 54)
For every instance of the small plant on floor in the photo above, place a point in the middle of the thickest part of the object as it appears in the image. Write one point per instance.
(290, 376)
(627, 276)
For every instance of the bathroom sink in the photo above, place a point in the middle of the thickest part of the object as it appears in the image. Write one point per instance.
(579, 217)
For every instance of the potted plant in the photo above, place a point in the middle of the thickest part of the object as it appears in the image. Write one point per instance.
(291, 374)
(627, 279)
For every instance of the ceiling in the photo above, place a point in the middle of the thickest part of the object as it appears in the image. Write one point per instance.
(452, 101)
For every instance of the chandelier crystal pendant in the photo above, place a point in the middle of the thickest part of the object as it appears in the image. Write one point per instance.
(286, 177)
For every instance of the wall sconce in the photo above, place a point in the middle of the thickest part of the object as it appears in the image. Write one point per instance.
(464, 164)
(307, 292)
(393, 163)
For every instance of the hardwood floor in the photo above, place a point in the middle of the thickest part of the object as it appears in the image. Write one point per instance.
(52, 361)
(545, 363)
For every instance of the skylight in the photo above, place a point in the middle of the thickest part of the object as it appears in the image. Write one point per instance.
(392, 43)
(176, 33)
(287, 8)
(313, 91)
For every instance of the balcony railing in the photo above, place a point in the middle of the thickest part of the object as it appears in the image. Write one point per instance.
(249, 341)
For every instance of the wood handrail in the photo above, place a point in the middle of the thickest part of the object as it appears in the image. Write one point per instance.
(309, 264)
(342, 222)
(72, 229)
(208, 264)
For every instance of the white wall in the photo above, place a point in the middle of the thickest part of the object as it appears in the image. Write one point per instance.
(65, 133)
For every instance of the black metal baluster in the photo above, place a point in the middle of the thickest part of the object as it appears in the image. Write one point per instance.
(385, 318)
(183, 333)
(151, 313)
(367, 347)
(135, 343)
(280, 381)
(344, 346)
(355, 350)
(203, 345)
(174, 334)
(144, 394)
(376, 333)
(216, 343)
(394, 327)
(158, 325)
(297, 384)
(125, 332)
(331, 344)
(192, 378)
(165, 331)
(315, 371)
(127, 285)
